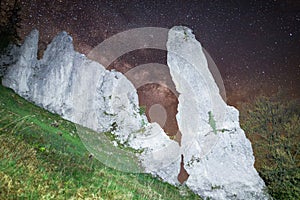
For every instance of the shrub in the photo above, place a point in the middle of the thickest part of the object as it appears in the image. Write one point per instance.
(273, 126)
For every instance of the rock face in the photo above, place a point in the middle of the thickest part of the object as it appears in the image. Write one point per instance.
(20, 72)
(8, 57)
(217, 155)
(83, 91)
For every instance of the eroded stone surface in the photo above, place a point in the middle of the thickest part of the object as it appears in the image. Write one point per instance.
(83, 91)
(219, 160)
(18, 74)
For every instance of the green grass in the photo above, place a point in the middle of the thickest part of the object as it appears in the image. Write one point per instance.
(42, 157)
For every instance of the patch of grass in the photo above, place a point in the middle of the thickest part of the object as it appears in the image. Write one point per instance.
(142, 110)
(42, 157)
(212, 122)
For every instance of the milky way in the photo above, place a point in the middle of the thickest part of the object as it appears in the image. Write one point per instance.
(255, 44)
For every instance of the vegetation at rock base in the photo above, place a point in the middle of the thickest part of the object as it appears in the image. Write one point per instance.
(273, 126)
(142, 110)
(42, 157)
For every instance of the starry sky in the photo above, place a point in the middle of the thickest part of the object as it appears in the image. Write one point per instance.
(255, 44)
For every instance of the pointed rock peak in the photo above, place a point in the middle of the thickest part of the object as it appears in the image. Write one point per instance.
(212, 141)
(63, 37)
(187, 32)
(31, 42)
(59, 49)
(34, 34)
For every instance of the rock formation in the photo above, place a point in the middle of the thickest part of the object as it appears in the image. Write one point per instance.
(83, 91)
(217, 155)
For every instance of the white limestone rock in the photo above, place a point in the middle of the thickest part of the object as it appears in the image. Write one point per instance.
(67, 83)
(219, 160)
(81, 90)
(8, 57)
(18, 75)
(50, 83)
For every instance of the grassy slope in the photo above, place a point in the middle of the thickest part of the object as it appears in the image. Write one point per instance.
(41, 161)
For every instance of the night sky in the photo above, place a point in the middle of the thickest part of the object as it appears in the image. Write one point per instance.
(255, 44)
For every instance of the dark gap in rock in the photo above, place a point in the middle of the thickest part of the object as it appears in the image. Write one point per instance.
(138, 57)
(42, 46)
(159, 96)
(183, 175)
(151, 95)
